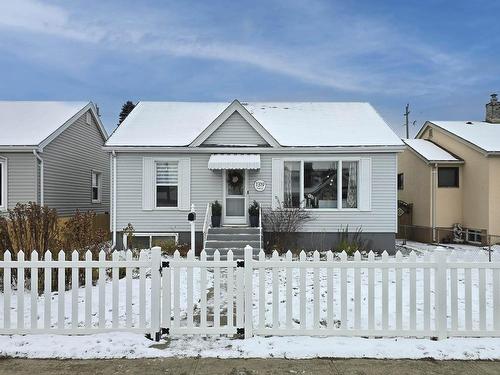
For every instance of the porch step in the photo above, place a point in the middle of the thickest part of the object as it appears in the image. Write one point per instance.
(237, 253)
(234, 238)
(231, 244)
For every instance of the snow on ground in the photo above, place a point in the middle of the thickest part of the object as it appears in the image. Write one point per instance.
(129, 345)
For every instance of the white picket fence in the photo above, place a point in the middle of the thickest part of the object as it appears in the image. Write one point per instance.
(319, 296)
(107, 306)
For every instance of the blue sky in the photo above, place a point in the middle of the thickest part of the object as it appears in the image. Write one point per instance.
(441, 56)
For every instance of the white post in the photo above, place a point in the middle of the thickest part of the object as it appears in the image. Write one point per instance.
(248, 291)
(155, 292)
(440, 293)
(193, 223)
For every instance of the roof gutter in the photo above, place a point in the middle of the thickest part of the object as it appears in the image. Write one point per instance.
(35, 152)
(270, 150)
(26, 148)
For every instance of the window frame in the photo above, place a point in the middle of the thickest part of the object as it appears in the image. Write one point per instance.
(457, 178)
(155, 184)
(99, 186)
(338, 160)
(3, 184)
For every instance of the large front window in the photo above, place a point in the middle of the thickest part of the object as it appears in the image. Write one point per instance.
(318, 184)
(166, 184)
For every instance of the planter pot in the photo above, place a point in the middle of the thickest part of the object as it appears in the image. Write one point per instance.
(254, 221)
(216, 221)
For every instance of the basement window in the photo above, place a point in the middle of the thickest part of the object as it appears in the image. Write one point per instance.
(448, 177)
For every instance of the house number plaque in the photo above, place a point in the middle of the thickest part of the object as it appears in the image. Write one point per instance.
(259, 185)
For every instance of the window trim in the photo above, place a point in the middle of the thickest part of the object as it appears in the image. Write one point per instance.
(457, 186)
(402, 186)
(155, 185)
(99, 187)
(4, 184)
(339, 181)
(151, 235)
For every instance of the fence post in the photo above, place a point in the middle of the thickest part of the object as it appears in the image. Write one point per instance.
(155, 292)
(440, 289)
(248, 291)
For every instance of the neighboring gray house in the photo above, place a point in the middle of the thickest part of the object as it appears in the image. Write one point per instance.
(169, 155)
(51, 153)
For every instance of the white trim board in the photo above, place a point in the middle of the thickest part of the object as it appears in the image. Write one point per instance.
(235, 106)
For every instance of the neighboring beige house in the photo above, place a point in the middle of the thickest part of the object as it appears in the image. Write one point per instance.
(451, 175)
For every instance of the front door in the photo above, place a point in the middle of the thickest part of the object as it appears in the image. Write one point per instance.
(235, 196)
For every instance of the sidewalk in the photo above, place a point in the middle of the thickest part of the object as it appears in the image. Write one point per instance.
(200, 366)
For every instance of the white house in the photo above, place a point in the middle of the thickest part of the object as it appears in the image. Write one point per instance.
(167, 156)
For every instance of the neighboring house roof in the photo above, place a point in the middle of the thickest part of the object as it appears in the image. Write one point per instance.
(482, 135)
(36, 123)
(431, 152)
(299, 124)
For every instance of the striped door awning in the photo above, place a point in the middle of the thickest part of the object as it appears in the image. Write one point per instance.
(234, 161)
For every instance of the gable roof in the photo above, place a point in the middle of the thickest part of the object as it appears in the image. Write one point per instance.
(298, 124)
(37, 123)
(431, 152)
(482, 135)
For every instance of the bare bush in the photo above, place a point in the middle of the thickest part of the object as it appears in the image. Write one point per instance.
(280, 223)
(29, 227)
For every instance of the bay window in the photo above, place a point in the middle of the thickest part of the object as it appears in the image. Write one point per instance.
(166, 184)
(317, 184)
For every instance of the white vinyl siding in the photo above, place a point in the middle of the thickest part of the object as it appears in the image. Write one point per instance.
(235, 130)
(376, 211)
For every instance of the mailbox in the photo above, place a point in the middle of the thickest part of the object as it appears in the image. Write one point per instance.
(191, 216)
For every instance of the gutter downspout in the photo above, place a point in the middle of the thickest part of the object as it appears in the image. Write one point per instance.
(113, 200)
(35, 152)
(433, 200)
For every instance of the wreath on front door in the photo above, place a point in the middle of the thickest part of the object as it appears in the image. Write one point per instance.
(234, 178)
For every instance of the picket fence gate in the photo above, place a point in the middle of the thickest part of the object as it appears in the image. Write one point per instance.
(428, 296)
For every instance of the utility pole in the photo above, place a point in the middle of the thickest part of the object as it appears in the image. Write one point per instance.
(407, 113)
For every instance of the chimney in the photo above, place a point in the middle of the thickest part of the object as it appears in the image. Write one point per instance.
(493, 110)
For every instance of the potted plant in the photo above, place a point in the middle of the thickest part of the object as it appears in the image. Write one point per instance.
(253, 212)
(216, 214)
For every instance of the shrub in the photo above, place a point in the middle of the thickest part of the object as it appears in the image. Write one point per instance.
(80, 233)
(29, 227)
(168, 247)
(216, 209)
(280, 224)
(350, 242)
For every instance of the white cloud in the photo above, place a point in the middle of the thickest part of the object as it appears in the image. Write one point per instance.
(337, 61)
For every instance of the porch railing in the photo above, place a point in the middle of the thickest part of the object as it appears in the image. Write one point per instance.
(260, 227)
(206, 223)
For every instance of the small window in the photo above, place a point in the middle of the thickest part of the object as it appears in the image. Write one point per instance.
(474, 236)
(96, 187)
(448, 177)
(166, 184)
(88, 118)
(401, 181)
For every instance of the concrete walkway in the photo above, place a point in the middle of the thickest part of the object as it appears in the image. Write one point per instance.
(246, 366)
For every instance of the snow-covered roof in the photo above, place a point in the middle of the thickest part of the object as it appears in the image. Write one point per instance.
(291, 124)
(430, 151)
(481, 134)
(28, 123)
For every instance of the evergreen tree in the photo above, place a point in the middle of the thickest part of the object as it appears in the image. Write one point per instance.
(126, 109)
